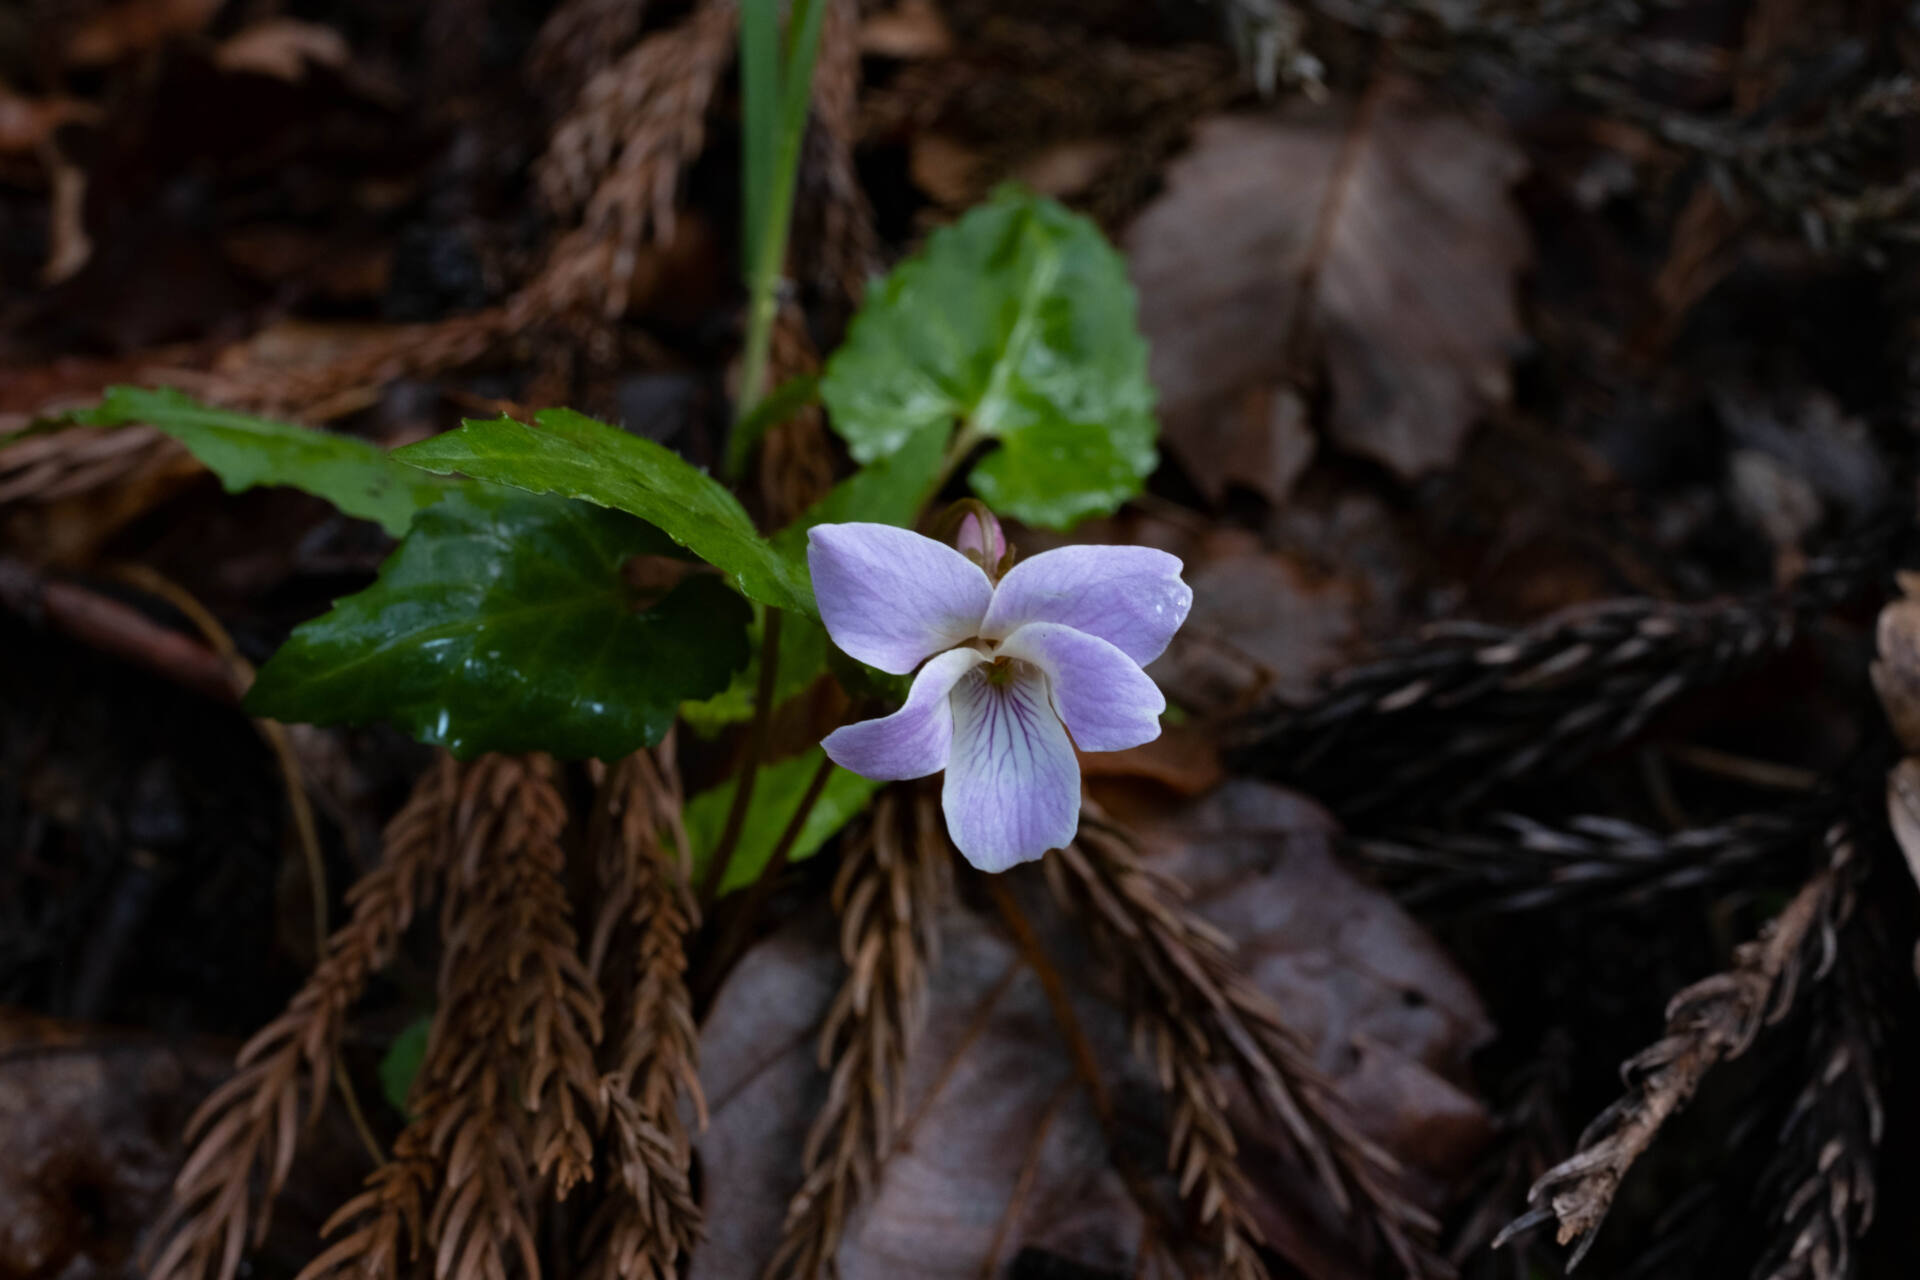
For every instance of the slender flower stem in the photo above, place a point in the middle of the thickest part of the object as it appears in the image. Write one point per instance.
(750, 769)
(739, 929)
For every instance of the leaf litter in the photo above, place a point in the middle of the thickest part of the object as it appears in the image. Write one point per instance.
(1588, 343)
(1003, 1152)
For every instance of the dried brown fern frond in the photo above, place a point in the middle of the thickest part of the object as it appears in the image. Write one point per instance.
(1468, 708)
(579, 39)
(1710, 1022)
(615, 160)
(651, 1219)
(1194, 1010)
(1046, 80)
(245, 1134)
(1817, 153)
(61, 464)
(554, 1016)
(1532, 1139)
(835, 245)
(796, 459)
(507, 824)
(889, 893)
(343, 384)
(387, 1218)
(1511, 863)
(1822, 1177)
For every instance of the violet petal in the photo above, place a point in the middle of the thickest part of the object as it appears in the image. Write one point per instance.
(1107, 701)
(914, 741)
(1131, 597)
(1013, 784)
(892, 598)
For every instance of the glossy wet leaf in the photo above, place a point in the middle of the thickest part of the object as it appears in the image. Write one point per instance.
(401, 1062)
(244, 451)
(572, 455)
(1018, 321)
(502, 624)
(777, 793)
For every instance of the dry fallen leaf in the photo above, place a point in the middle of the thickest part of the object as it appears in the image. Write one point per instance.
(1392, 1020)
(26, 124)
(1067, 169)
(946, 169)
(90, 1123)
(68, 244)
(1183, 759)
(1386, 229)
(1002, 1153)
(1896, 672)
(1261, 623)
(910, 30)
(123, 29)
(282, 48)
(1903, 810)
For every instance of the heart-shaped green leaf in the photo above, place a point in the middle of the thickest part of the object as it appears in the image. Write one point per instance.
(502, 624)
(1017, 322)
(359, 478)
(569, 454)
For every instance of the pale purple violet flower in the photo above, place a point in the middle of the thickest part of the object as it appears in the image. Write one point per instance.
(1012, 669)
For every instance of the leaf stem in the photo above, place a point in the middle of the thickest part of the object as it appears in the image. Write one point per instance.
(757, 734)
(739, 929)
(965, 441)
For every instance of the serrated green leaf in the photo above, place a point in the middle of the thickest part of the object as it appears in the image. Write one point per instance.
(777, 793)
(572, 455)
(401, 1062)
(502, 624)
(244, 451)
(1017, 321)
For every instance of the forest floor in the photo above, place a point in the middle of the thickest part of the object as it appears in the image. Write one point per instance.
(1537, 389)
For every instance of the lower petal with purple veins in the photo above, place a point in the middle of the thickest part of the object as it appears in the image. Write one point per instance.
(1013, 783)
(1107, 701)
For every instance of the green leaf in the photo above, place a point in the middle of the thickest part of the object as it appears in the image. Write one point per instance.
(401, 1062)
(1018, 322)
(244, 451)
(569, 454)
(776, 795)
(502, 624)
